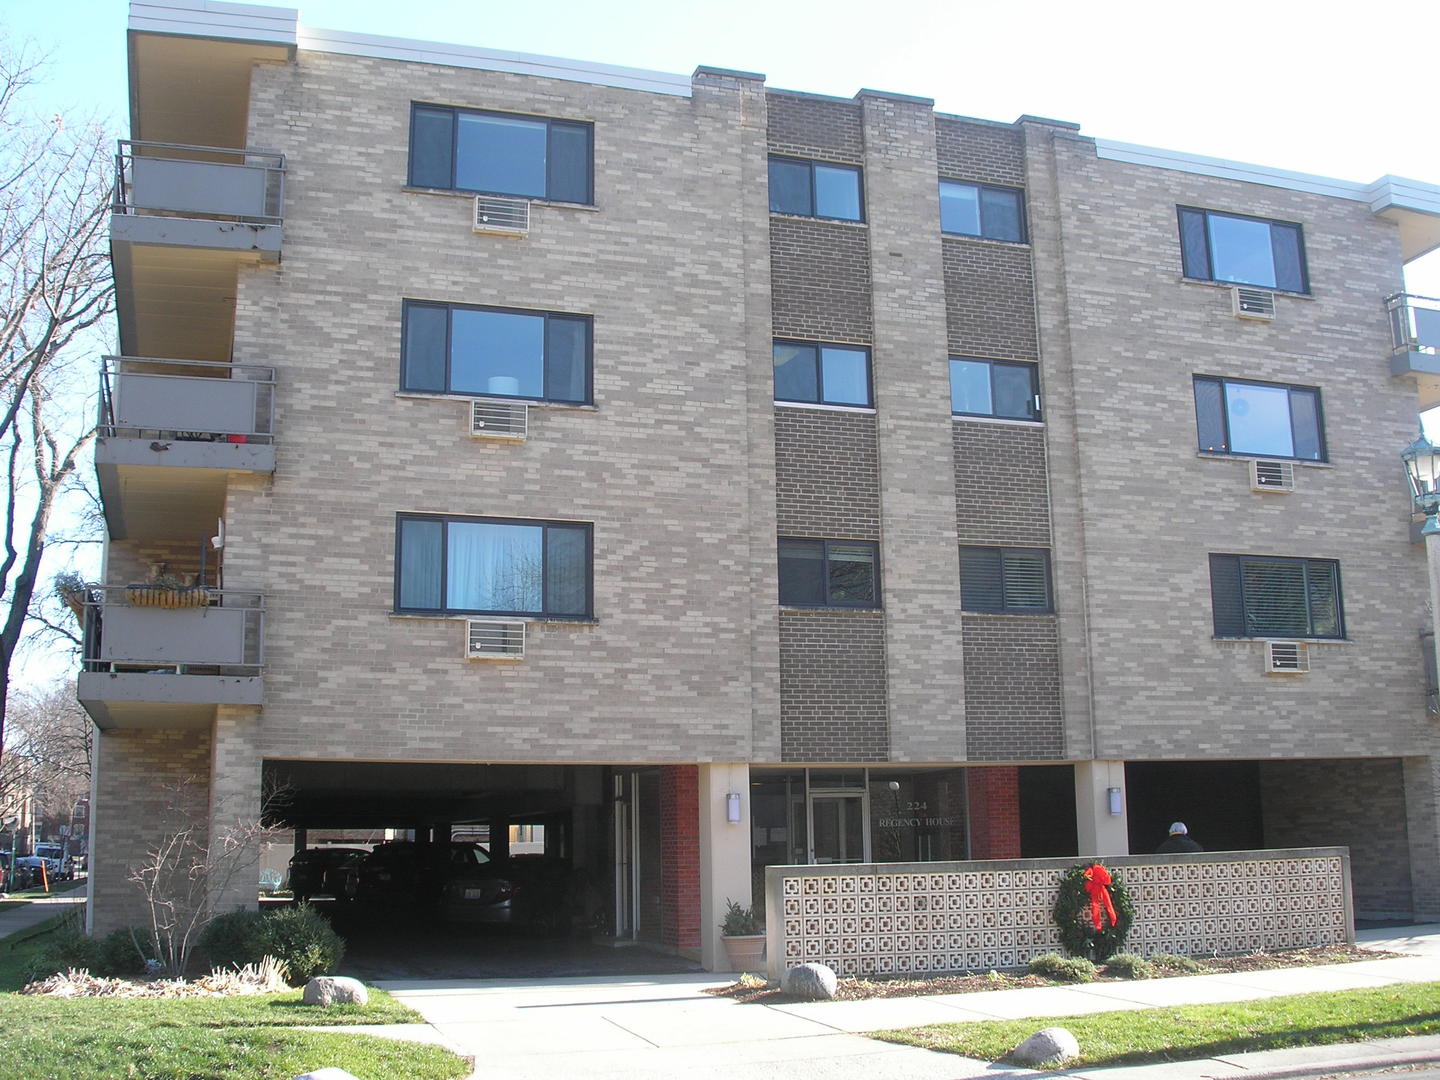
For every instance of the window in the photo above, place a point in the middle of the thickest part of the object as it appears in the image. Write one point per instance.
(492, 566)
(828, 573)
(1265, 419)
(1268, 596)
(1005, 581)
(996, 213)
(1242, 250)
(501, 154)
(815, 189)
(822, 374)
(455, 349)
(1002, 388)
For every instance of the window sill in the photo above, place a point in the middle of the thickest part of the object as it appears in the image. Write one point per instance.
(421, 395)
(1021, 245)
(450, 617)
(1282, 637)
(1213, 284)
(1224, 455)
(824, 609)
(825, 220)
(591, 208)
(1010, 614)
(864, 410)
(1005, 420)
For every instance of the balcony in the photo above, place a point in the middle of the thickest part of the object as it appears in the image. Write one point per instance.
(185, 218)
(166, 661)
(171, 433)
(1415, 343)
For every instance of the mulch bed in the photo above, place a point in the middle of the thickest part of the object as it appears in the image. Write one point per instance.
(752, 990)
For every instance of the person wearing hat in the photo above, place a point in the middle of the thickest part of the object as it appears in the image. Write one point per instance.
(1179, 841)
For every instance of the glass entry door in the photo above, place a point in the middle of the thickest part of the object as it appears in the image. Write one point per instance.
(837, 828)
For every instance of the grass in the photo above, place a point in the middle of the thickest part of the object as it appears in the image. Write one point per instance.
(1148, 1036)
(17, 950)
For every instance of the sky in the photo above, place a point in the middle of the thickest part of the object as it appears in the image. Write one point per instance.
(1338, 91)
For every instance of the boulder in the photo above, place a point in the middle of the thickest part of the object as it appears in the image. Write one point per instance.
(334, 990)
(1045, 1049)
(809, 982)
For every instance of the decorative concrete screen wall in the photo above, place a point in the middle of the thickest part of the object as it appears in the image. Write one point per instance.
(898, 918)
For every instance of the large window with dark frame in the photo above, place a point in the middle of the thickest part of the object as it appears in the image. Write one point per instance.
(1268, 596)
(1006, 389)
(1242, 250)
(986, 210)
(1236, 416)
(492, 566)
(816, 189)
(1005, 581)
(812, 373)
(495, 352)
(829, 573)
(501, 153)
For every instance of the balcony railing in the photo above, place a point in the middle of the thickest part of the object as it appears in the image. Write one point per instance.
(197, 632)
(186, 400)
(1414, 323)
(199, 181)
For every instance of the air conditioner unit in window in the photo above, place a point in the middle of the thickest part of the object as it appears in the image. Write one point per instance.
(509, 217)
(494, 639)
(1286, 658)
(499, 420)
(1272, 476)
(1252, 303)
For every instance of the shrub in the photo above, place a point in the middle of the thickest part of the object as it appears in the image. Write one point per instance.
(302, 940)
(1129, 965)
(741, 921)
(68, 948)
(1171, 962)
(124, 951)
(232, 939)
(1074, 969)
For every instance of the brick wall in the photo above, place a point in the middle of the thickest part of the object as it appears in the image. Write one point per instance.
(820, 280)
(989, 299)
(1002, 489)
(994, 811)
(832, 686)
(802, 125)
(826, 474)
(987, 153)
(680, 857)
(1012, 688)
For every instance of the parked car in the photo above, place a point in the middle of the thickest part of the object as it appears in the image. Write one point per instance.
(459, 880)
(30, 873)
(327, 871)
(59, 865)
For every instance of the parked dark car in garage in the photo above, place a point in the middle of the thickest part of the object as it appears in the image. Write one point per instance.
(325, 871)
(457, 879)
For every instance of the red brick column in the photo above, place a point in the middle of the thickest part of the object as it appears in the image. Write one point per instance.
(994, 811)
(680, 857)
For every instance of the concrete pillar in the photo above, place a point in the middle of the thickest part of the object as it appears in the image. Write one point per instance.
(724, 855)
(236, 806)
(1099, 831)
(1422, 813)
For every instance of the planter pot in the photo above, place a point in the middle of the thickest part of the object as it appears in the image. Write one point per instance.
(162, 597)
(745, 953)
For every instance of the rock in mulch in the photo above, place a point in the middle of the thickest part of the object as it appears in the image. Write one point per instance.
(334, 990)
(1047, 1048)
(809, 982)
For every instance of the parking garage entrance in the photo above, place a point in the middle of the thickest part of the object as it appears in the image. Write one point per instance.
(473, 870)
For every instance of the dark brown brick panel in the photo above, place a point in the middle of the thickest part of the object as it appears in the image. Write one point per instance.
(814, 127)
(989, 298)
(1002, 490)
(1012, 688)
(832, 686)
(820, 280)
(981, 152)
(827, 474)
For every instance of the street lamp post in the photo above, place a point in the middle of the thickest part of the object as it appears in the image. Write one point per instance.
(1422, 466)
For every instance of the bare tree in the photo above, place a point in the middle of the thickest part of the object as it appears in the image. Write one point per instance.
(55, 288)
(47, 753)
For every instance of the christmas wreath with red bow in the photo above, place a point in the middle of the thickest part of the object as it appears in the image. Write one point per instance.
(1093, 912)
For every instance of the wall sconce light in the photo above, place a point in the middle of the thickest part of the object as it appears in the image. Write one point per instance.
(1116, 801)
(732, 808)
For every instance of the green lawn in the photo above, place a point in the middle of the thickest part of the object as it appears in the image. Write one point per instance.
(1147, 1036)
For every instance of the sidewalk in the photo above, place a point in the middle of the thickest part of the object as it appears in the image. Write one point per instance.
(664, 1027)
(35, 911)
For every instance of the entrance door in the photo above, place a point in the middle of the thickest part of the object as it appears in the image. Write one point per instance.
(837, 828)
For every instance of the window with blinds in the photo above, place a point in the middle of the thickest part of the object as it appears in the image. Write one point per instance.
(1006, 581)
(1270, 596)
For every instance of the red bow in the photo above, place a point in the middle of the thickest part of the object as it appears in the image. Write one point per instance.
(1097, 884)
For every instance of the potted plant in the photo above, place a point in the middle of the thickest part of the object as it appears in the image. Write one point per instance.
(743, 931)
(167, 590)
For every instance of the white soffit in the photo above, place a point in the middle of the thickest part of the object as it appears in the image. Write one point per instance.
(214, 19)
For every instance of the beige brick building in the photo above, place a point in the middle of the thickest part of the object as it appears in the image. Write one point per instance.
(721, 476)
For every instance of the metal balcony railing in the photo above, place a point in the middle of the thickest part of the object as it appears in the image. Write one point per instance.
(187, 400)
(199, 181)
(199, 631)
(1414, 323)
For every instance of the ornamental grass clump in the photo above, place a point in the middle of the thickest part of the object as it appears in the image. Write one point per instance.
(1129, 965)
(1070, 969)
